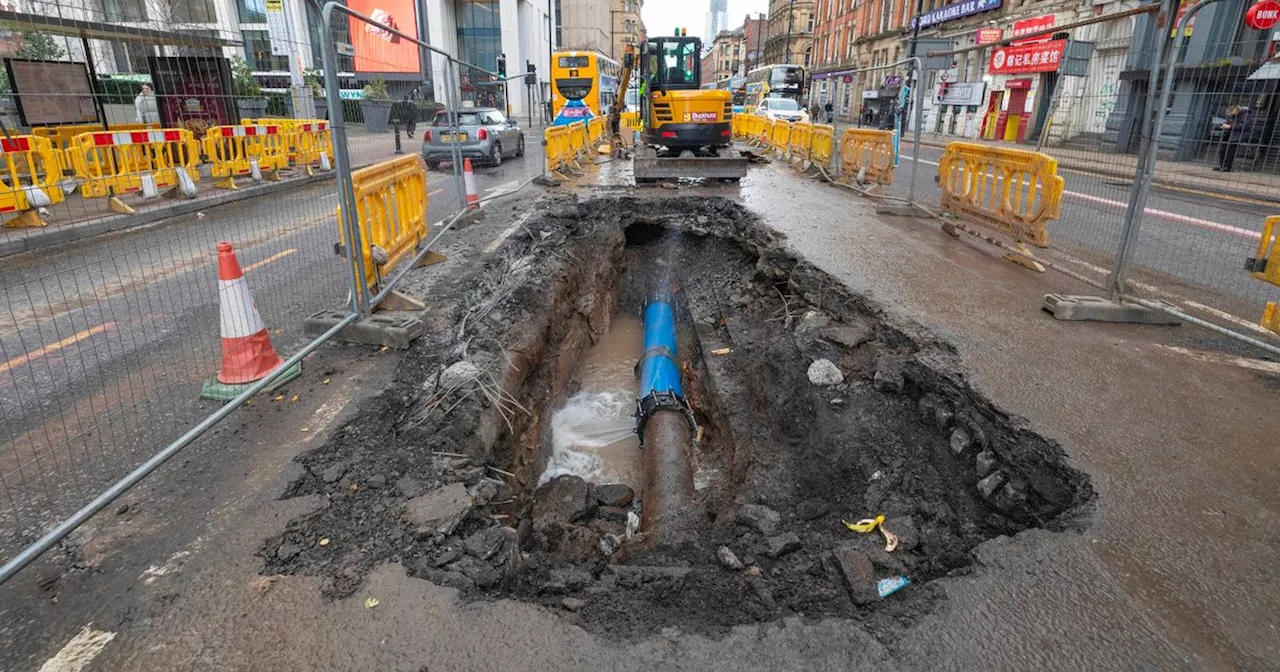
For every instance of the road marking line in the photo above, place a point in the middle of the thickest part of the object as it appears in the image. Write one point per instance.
(79, 652)
(497, 242)
(1231, 360)
(503, 188)
(1223, 315)
(54, 347)
(437, 191)
(1184, 219)
(275, 257)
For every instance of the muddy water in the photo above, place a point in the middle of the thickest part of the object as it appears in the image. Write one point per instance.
(592, 434)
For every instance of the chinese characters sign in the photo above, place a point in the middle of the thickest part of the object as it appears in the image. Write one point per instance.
(1039, 57)
(956, 10)
(1028, 26)
(989, 35)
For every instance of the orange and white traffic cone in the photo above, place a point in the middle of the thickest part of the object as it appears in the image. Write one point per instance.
(469, 179)
(247, 353)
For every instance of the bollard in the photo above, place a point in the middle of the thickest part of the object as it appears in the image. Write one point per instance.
(396, 126)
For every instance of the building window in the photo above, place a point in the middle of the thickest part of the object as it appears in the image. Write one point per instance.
(628, 25)
(192, 11)
(480, 32)
(252, 11)
(810, 21)
(808, 51)
(126, 10)
(257, 51)
(886, 14)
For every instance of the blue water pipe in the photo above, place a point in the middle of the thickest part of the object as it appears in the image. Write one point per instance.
(659, 371)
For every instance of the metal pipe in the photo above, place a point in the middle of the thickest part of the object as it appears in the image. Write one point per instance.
(1150, 142)
(35, 550)
(1164, 308)
(664, 421)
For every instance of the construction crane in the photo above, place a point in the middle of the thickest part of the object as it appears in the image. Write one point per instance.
(685, 131)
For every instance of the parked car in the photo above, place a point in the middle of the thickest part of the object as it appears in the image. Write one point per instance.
(782, 109)
(484, 134)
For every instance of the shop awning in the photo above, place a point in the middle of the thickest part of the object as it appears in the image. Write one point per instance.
(100, 30)
(838, 73)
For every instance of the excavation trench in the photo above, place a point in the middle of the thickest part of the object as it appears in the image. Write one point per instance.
(502, 462)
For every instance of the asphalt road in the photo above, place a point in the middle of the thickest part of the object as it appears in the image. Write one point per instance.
(104, 343)
(1191, 242)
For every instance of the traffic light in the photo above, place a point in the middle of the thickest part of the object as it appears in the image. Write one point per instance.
(530, 68)
(502, 65)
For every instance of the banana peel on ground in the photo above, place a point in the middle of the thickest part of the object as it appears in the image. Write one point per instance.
(869, 525)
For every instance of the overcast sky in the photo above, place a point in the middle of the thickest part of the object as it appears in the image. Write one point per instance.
(662, 16)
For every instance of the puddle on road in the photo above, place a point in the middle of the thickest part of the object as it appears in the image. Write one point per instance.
(592, 435)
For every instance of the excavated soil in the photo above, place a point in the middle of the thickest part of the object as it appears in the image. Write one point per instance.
(439, 472)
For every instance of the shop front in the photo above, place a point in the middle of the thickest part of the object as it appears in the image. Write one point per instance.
(1019, 74)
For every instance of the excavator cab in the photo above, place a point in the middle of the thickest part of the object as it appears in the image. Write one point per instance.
(677, 114)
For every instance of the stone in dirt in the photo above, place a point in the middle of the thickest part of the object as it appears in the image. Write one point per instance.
(988, 485)
(377, 481)
(408, 486)
(728, 560)
(809, 509)
(287, 552)
(565, 581)
(449, 579)
(439, 511)
(889, 376)
(825, 373)
(781, 544)
(481, 572)
(486, 543)
(760, 518)
(848, 335)
(484, 492)
(905, 528)
(564, 499)
(455, 376)
(985, 463)
(446, 556)
(333, 473)
(858, 573)
(573, 603)
(612, 514)
(961, 441)
(614, 494)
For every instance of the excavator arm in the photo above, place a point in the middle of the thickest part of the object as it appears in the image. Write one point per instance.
(630, 60)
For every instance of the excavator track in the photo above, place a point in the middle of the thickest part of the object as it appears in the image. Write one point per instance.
(650, 167)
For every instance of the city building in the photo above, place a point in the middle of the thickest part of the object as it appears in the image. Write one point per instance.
(753, 41)
(833, 62)
(790, 32)
(583, 25)
(717, 20)
(727, 50)
(708, 68)
(628, 27)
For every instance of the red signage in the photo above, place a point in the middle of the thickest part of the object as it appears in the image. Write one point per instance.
(1039, 57)
(1028, 26)
(1262, 15)
(990, 35)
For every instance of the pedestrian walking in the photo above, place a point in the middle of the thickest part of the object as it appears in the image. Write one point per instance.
(1234, 131)
(407, 111)
(830, 112)
(145, 107)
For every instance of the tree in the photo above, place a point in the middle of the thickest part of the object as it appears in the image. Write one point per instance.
(40, 47)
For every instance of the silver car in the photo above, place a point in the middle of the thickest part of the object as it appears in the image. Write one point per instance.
(484, 134)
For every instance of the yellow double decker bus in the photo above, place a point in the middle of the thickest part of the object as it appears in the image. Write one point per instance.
(583, 85)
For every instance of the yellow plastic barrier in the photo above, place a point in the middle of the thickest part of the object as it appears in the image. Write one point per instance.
(558, 149)
(868, 151)
(822, 145)
(1265, 264)
(630, 121)
(391, 205)
(579, 138)
(244, 150)
(764, 134)
(1012, 191)
(29, 181)
(1271, 316)
(311, 141)
(595, 130)
(780, 137)
(798, 144)
(63, 136)
(111, 163)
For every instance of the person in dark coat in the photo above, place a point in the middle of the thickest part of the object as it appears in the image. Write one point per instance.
(408, 112)
(1235, 130)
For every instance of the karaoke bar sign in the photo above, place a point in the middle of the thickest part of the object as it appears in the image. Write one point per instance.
(956, 10)
(1039, 57)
